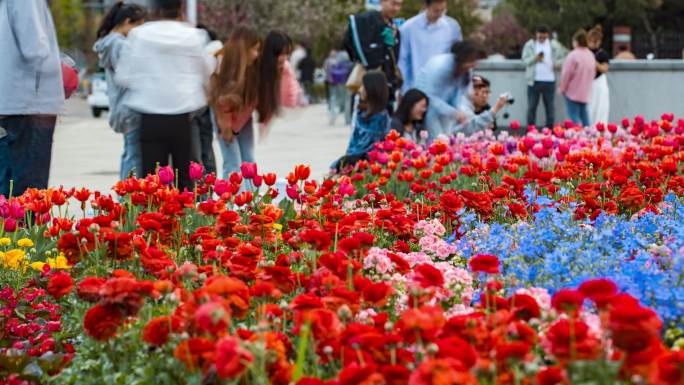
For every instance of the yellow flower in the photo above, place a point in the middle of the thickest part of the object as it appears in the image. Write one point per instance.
(278, 227)
(14, 259)
(38, 266)
(25, 242)
(5, 241)
(59, 263)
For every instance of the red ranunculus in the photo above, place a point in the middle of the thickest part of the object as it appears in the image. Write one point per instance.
(231, 358)
(484, 263)
(669, 369)
(571, 338)
(567, 301)
(441, 372)
(212, 317)
(601, 290)
(451, 202)
(633, 327)
(551, 375)
(195, 353)
(101, 322)
(157, 331)
(89, 288)
(60, 284)
(428, 276)
(524, 307)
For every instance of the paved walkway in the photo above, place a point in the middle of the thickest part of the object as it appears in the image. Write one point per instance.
(86, 152)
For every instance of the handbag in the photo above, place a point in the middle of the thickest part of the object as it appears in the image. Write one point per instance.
(355, 79)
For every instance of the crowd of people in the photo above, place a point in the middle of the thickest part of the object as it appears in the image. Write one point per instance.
(429, 70)
(173, 86)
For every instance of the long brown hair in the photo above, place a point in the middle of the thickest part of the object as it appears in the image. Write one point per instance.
(235, 85)
(276, 44)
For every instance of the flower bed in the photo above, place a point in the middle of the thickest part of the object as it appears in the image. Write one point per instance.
(551, 258)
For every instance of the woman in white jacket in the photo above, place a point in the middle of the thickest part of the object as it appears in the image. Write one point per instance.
(166, 71)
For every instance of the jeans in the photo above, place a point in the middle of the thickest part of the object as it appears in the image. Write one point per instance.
(339, 102)
(162, 136)
(131, 159)
(25, 152)
(204, 128)
(577, 112)
(238, 151)
(546, 90)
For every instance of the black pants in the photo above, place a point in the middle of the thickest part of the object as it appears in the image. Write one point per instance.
(547, 91)
(25, 152)
(162, 136)
(204, 129)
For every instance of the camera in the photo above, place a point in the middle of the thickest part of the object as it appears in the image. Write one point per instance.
(509, 98)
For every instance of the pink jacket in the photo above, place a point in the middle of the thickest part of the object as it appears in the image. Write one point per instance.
(290, 96)
(577, 76)
(290, 90)
(233, 121)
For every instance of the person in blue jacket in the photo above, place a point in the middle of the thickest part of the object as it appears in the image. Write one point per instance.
(371, 123)
(446, 80)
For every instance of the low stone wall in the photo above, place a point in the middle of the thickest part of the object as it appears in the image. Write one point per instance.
(636, 87)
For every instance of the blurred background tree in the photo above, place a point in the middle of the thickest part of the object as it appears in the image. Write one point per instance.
(504, 35)
(562, 16)
(317, 23)
(657, 25)
(70, 20)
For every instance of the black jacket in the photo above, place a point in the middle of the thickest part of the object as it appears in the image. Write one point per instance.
(370, 26)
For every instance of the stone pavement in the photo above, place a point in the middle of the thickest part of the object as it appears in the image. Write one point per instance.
(86, 152)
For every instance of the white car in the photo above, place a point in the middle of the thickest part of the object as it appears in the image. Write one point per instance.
(97, 94)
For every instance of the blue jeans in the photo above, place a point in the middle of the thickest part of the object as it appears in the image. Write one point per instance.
(239, 150)
(547, 91)
(339, 102)
(577, 112)
(131, 159)
(25, 152)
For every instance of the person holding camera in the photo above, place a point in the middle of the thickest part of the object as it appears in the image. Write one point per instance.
(479, 115)
(542, 56)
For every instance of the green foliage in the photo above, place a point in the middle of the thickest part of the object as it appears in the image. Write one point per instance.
(562, 16)
(125, 360)
(70, 21)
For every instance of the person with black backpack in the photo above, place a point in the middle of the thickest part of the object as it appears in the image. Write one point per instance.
(372, 41)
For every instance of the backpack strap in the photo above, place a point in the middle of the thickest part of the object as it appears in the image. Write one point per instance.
(357, 41)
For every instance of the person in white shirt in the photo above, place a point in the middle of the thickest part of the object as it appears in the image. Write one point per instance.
(166, 71)
(542, 56)
(424, 36)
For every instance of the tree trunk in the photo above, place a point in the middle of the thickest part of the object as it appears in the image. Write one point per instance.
(651, 33)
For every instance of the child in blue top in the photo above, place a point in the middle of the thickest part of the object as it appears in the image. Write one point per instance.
(372, 121)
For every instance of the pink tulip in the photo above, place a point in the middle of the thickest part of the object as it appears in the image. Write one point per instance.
(166, 175)
(10, 225)
(292, 192)
(249, 170)
(196, 171)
